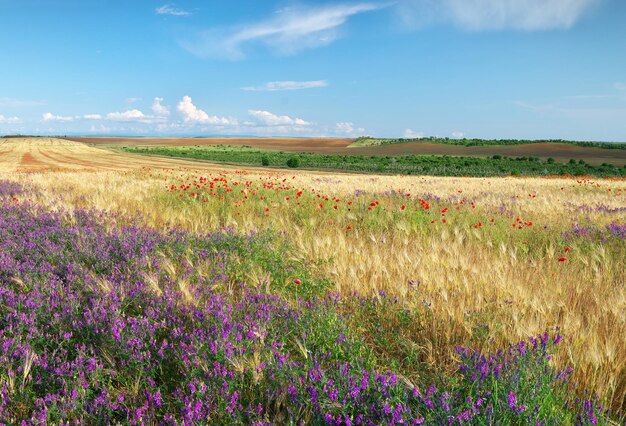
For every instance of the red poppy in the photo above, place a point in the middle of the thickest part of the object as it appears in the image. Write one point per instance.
(566, 249)
(297, 281)
(562, 259)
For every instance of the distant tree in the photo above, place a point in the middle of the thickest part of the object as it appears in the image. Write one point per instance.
(550, 160)
(265, 161)
(293, 162)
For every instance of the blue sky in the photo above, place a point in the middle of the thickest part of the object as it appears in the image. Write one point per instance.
(457, 68)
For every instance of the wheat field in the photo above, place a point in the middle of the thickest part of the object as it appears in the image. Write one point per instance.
(493, 260)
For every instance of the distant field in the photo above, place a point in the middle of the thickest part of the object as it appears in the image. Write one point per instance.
(369, 141)
(561, 152)
(432, 165)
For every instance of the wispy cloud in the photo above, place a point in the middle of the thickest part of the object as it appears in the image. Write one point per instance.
(92, 117)
(17, 103)
(479, 15)
(585, 114)
(159, 109)
(127, 116)
(48, 117)
(276, 86)
(587, 97)
(291, 30)
(170, 10)
(619, 92)
(412, 134)
(535, 107)
(269, 119)
(8, 120)
(348, 128)
(192, 114)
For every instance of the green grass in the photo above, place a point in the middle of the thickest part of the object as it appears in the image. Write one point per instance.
(434, 165)
(368, 141)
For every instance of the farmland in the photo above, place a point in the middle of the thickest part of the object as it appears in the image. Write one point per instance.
(562, 151)
(170, 290)
(435, 165)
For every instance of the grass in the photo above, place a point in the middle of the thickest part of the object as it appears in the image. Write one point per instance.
(433, 165)
(423, 287)
(369, 141)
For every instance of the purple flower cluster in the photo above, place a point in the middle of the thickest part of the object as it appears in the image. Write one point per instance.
(10, 188)
(105, 321)
(597, 208)
(614, 231)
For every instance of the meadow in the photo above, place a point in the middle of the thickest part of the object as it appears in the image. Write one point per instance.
(202, 293)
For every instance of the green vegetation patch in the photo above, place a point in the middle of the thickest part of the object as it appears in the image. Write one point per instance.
(369, 141)
(433, 165)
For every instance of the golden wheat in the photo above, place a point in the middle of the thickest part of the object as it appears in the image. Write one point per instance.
(466, 274)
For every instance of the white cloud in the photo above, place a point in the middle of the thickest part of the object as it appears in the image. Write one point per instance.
(275, 86)
(477, 15)
(269, 119)
(100, 129)
(458, 135)
(410, 134)
(92, 117)
(8, 120)
(170, 10)
(160, 109)
(191, 113)
(290, 31)
(619, 85)
(345, 127)
(48, 116)
(348, 128)
(130, 115)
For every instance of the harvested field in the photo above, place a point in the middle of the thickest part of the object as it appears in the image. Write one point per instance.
(50, 154)
(561, 152)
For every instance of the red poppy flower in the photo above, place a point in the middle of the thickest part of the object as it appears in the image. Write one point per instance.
(562, 259)
(297, 281)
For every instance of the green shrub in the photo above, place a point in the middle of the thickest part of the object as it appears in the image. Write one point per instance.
(293, 162)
